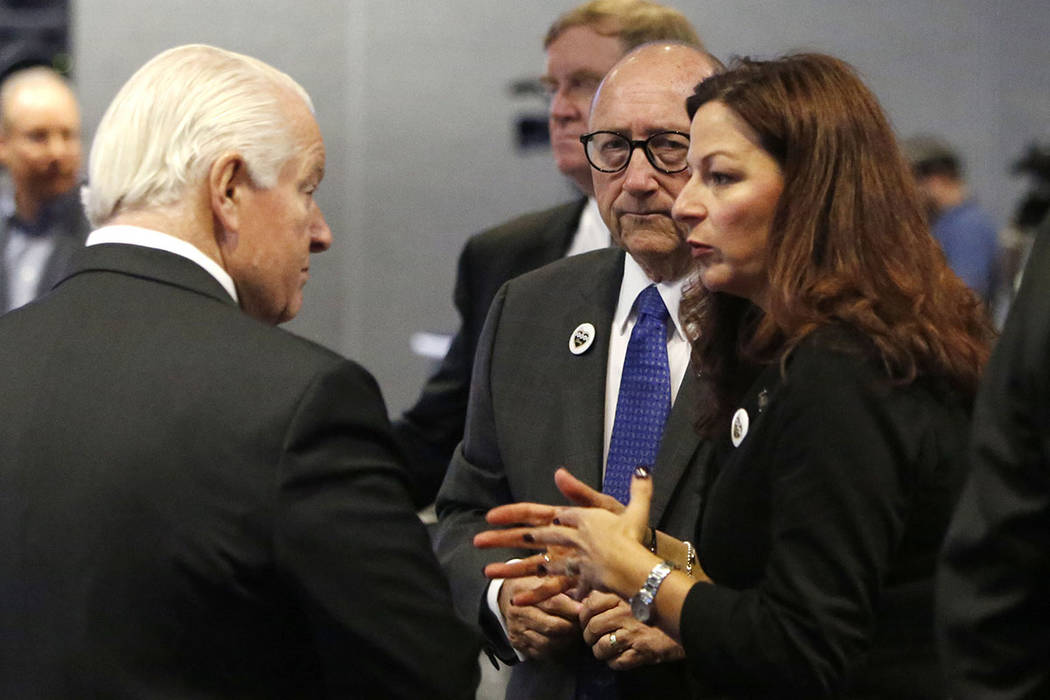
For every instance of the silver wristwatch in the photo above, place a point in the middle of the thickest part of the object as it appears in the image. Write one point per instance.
(642, 602)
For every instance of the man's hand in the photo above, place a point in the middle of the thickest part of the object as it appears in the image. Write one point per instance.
(541, 630)
(636, 644)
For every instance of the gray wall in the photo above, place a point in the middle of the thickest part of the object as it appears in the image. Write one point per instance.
(412, 99)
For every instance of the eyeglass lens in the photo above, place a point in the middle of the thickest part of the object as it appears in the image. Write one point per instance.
(610, 152)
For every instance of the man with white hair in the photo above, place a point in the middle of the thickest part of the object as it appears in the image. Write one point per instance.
(194, 503)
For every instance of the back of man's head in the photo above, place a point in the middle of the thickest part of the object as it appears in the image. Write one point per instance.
(175, 116)
(634, 22)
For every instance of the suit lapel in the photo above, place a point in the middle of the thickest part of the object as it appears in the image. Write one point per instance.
(583, 389)
(679, 447)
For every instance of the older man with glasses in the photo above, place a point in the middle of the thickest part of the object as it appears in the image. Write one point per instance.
(582, 364)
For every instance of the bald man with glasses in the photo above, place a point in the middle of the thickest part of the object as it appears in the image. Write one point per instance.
(557, 384)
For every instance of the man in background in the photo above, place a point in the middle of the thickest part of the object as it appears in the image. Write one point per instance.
(41, 220)
(194, 503)
(965, 231)
(581, 45)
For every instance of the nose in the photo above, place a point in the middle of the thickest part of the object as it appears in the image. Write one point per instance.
(563, 107)
(687, 208)
(639, 175)
(320, 234)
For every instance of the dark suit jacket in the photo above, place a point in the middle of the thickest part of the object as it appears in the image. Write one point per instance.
(821, 531)
(534, 406)
(429, 431)
(994, 580)
(68, 227)
(195, 504)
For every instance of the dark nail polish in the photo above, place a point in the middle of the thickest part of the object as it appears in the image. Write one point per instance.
(641, 471)
(556, 521)
(541, 570)
(528, 537)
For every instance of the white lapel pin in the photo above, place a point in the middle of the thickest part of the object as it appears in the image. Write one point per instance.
(581, 339)
(738, 429)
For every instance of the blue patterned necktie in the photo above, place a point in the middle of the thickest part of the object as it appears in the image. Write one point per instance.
(645, 397)
(641, 410)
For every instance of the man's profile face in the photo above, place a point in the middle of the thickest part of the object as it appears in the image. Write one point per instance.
(40, 140)
(280, 228)
(576, 62)
(646, 95)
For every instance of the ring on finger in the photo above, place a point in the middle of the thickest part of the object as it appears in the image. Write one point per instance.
(546, 558)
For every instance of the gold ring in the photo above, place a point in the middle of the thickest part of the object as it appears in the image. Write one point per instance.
(613, 641)
(547, 557)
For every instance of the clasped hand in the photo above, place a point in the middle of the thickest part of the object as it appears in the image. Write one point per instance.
(592, 553)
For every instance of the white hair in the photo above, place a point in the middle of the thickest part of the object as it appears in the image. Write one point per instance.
(178, 114)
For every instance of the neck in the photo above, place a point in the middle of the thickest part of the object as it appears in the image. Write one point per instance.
(664, 269)
(27, 207)
(175, 220)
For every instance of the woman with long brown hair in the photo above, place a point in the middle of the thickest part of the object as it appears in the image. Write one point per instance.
(841, 357)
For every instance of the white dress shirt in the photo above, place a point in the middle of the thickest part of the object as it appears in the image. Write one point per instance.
(148, 238)
(591, 232)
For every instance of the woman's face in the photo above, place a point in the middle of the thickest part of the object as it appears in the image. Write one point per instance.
(728, 204)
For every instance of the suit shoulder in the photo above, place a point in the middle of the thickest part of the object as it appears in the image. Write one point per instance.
(575, 270)
(532, 230)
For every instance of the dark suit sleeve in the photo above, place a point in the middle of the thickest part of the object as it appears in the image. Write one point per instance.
(476, 482)
(430, 430)
(837, 483)
(349, 545)
(994, 581)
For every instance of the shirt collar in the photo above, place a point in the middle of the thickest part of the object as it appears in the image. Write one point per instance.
(634, 281)
(148, 238)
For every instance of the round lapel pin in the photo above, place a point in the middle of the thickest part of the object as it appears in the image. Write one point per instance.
(738, 429)
(581, 339)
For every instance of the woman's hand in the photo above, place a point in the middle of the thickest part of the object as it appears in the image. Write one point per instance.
(601, 549)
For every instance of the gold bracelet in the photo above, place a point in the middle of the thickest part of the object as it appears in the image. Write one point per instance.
(690, 558)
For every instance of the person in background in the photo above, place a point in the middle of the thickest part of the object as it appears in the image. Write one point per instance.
(840, 356)
(193, 502)
(965, 231)
(41, 220)
(581, 45)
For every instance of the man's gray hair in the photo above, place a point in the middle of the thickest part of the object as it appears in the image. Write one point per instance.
(176, 116)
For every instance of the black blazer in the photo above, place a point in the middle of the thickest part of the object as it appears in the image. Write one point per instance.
(994, 580)
(195, 504)
(821, 529)
(430, 430)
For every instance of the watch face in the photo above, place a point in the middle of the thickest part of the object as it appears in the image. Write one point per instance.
(640, 608)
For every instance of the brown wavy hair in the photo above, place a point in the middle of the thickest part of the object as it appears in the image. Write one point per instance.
(849, 245)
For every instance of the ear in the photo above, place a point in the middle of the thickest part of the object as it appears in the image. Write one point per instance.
(228, 185)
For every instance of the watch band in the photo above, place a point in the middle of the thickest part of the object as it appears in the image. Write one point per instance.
(642, 602)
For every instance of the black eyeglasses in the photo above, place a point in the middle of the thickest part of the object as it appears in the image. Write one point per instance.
(610, 152)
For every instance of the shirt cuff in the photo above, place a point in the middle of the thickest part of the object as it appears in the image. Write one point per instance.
(492, 598)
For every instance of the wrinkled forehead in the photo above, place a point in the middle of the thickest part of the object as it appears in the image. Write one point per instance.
(655, 81)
